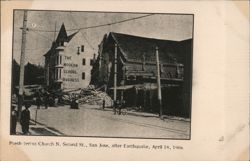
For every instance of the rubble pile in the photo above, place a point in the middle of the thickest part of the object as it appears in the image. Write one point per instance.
(94, 97)
(88, 95)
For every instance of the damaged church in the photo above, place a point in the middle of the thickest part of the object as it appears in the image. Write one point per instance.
(136, 72)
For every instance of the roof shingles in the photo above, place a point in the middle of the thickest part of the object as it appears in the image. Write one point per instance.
(134, 47)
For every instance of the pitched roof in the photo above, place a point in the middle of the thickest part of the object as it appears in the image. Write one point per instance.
(71, 36)
(134, 47)
(61, 37)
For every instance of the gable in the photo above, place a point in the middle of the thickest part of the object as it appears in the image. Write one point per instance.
(62, 35)
(134, 47)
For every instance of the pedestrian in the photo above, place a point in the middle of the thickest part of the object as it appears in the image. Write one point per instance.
(38, 99)
(14, 116)
(25, 119)
(115, 106)
(74, 103)
(123, 107)
(103, 103)
(119, 107)
(46, 99)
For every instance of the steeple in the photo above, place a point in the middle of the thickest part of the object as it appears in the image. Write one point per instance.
(62, 35)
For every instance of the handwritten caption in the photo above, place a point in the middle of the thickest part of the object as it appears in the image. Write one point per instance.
(96, 145)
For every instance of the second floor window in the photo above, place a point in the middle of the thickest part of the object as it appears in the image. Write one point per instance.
(78, 50)
(82, 48)
(83, 75)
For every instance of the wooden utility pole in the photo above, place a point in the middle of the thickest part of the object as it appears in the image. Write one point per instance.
(47, 74)
(123, 83)
(158, 80)
(115, 74)
(22, 62)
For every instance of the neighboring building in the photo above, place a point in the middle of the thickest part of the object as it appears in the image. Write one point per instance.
(33, 74)
(68, 62)
(136, 71)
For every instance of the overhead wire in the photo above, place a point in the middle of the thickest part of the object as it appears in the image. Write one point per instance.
(97, 26)
(36, 31)
(41, 35)
(83, 34)
(42, 48)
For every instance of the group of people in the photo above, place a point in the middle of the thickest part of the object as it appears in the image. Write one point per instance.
(24, 119)
(25, 114)
(118, 106)
(39, 95)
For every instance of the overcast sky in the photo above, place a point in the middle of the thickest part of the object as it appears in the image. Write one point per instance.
(160, 26)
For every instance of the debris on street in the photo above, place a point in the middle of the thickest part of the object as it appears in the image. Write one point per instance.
(88, 95)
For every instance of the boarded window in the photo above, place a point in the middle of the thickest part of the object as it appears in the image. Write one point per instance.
(83, 61)
(83, 75)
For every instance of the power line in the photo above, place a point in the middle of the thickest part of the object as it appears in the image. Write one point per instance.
(42, 48)
(96, 26)
(42, 36)
(84, 36)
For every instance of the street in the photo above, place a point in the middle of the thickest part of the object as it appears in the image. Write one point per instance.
(92, 120)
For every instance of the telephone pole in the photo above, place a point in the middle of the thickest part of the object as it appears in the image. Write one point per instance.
(158, 81)
(22, 61)
(115, 76)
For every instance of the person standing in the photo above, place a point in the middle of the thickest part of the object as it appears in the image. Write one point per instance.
(119, 107)
(14, 116)
(25, 119)
(46, 99)
(103, 103)
(38, 99)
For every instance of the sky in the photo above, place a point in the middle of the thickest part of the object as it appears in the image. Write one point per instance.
(159, 26)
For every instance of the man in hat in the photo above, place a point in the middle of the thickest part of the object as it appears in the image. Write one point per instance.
(14, 116)
(38, 99)
(46, 99)
(25, 119)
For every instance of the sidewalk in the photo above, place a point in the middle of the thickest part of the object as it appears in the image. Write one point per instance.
(37, 128)
(92, 120)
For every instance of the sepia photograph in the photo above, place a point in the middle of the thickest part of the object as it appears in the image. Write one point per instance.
(124, 80)
(101, 74)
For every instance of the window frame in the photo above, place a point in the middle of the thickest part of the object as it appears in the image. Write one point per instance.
(82, 48)
(83, 61)
(83, 76)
